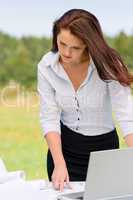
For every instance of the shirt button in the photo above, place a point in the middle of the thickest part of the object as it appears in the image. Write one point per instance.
(78, 119)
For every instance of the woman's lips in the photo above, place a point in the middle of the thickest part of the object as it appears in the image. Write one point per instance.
(66, 57)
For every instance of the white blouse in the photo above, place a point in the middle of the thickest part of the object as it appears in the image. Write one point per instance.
(88, 110)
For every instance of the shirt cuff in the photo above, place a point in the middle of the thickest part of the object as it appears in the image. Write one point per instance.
(127, 128)
(51, 128)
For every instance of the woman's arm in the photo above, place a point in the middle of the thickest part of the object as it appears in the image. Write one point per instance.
(129, 140)
(50, 121)
(54, 143)
(122, 107)
(60, 173)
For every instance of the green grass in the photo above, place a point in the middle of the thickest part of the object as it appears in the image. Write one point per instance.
(22, 146)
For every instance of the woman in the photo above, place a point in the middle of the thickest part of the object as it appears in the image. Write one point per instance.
(80, 82)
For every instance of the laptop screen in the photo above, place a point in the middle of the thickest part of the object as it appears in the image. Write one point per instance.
(109, 174)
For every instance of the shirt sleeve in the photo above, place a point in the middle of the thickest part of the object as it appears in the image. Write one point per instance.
(49, 110)
(122, 106)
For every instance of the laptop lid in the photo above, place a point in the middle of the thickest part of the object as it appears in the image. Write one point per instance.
(110, 174)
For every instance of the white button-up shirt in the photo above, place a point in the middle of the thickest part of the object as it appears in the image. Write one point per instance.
(89, 109)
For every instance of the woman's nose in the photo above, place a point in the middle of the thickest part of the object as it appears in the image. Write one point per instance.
(67, 52)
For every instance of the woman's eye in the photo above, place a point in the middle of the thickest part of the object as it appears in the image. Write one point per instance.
(76, 48)
(62, 44)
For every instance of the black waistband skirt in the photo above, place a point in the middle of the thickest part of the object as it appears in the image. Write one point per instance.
(76, 150)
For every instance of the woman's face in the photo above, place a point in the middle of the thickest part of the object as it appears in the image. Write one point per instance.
(71, 48)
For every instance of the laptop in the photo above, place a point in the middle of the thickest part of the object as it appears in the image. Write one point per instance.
(109, 177)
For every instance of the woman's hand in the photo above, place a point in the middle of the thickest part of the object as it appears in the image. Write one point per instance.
(60, 177)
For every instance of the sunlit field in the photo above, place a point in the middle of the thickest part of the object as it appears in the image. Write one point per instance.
(22, 145)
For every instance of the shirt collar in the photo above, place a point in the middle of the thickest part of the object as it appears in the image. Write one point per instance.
(52, 61)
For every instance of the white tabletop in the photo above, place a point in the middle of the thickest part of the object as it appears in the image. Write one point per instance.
(34, 190)
(13, 186)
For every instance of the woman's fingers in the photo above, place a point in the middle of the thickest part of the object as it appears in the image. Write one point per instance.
(60, 178)
(61, 186)
(68, 182)
(58, 185)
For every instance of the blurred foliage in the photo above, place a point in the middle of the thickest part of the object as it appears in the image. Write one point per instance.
(19, 56)
(123, 44)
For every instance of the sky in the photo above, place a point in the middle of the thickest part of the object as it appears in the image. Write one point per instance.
(36, 17)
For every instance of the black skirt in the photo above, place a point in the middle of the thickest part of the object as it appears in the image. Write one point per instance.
(76, 150)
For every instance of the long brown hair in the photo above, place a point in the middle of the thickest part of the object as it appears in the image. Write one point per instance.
(86, 26)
